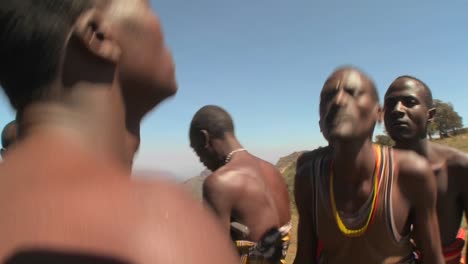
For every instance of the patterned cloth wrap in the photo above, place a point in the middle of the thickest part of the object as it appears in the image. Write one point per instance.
(452, 252)
(271, 249)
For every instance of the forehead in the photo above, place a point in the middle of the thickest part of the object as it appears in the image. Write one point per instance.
(123, 8)
(406, 87)
(347, 79)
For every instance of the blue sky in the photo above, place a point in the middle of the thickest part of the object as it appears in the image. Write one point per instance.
(265, 62)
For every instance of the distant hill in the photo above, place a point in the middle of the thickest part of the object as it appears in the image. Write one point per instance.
(286, 162)
(195, 184)
(287, 166)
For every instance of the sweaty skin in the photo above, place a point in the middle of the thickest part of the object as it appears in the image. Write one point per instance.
(245, 189)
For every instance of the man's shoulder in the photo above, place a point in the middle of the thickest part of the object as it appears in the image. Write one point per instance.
(413, 171)
(308, 158)
(163, 209)
(454, 157)
(409, 162)
(224, 179)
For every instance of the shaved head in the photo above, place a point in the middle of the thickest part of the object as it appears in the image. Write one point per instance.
(213, 119)
(349, 105)
(353, 75)
(410, 81)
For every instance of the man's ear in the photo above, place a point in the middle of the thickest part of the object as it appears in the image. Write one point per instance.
(95, 34)
(431, 114)
(380, 114)
(206, 138)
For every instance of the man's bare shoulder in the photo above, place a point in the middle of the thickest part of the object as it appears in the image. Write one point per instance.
(414, 175)
(167, 218)
(410, 164)
(224, 180)
(236, 177)
(454, 157)
(267, 167)
(146, 221)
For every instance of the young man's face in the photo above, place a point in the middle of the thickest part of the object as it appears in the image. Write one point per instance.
(405, 112)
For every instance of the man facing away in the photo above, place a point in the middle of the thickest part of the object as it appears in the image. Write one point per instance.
(408, 111)
(243, 190)
(356, 200)
(68, 68)
(8, 137)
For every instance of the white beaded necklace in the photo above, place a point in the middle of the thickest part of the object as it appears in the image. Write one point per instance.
(229, 156)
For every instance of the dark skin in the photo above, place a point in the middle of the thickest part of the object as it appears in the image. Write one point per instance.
(247, 189)
(75, 194)
(406, 118)
(348, 113)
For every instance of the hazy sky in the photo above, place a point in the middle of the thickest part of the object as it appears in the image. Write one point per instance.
(265, 62)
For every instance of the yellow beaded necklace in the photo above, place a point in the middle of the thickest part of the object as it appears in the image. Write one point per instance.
(357, 232)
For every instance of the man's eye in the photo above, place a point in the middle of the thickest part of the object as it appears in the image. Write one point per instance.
(410, 102)
(328, 96)
(351, 91)
(389, 103)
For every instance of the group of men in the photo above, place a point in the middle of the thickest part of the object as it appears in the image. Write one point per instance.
(359, 202)
(95, 68)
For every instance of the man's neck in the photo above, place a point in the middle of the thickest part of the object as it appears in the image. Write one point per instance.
(136, 109)
(420, 146)
(93, 116)
(228, 144)
(354, 161)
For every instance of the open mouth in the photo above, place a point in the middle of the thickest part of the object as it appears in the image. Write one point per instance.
(336, 117)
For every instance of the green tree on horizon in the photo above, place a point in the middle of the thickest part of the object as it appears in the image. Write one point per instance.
(446, 120)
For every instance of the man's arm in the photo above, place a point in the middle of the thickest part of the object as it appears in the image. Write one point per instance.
(303, 193)
(419, 185)
(218, 196)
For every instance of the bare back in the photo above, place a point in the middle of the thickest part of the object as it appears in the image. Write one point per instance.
(251, 191)
(68, 199)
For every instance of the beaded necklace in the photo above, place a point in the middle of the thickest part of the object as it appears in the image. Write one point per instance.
(357, 232)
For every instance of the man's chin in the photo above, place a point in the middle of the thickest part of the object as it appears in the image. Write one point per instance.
(403, 139)
(398, 136)
(340, 135)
